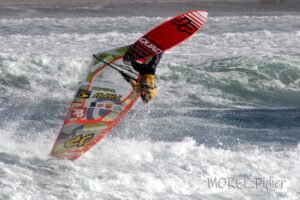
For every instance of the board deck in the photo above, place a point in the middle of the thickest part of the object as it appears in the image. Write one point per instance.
(167, 35)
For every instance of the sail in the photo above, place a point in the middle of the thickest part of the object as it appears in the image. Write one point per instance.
(99, 104)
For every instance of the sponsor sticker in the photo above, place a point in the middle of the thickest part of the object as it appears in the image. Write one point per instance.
(117, 108)
(93, 104)
(109, 106)
(104, 89)
(76, 104)
(184, 25)
(85, 94)
(113, 97)
(78, 112)
(100, 105)
(78, 141)
(150, 45)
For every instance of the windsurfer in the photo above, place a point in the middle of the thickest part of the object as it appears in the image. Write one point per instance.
(146, 85)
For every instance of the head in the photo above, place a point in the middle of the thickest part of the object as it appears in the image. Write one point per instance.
(148, 94)
(147, 87)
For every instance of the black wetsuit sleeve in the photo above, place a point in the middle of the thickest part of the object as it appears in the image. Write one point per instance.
(149, 68)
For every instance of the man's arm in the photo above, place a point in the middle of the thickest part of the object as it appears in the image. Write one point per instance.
(132, 82)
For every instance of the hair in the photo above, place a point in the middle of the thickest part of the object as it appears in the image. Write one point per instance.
(146, 97)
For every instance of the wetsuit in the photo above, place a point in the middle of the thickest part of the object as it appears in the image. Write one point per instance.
(149, 68)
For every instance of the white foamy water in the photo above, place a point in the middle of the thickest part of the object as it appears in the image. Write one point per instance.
(228, 107)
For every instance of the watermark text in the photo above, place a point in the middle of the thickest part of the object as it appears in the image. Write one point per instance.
(244, 182)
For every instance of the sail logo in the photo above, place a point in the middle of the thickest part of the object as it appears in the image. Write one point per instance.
(150, 45)
(78, 141)
(85, 94)
(112, 97)
(78, 112)
(104, 89)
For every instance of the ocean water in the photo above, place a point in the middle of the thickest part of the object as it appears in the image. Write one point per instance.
(227, 110)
